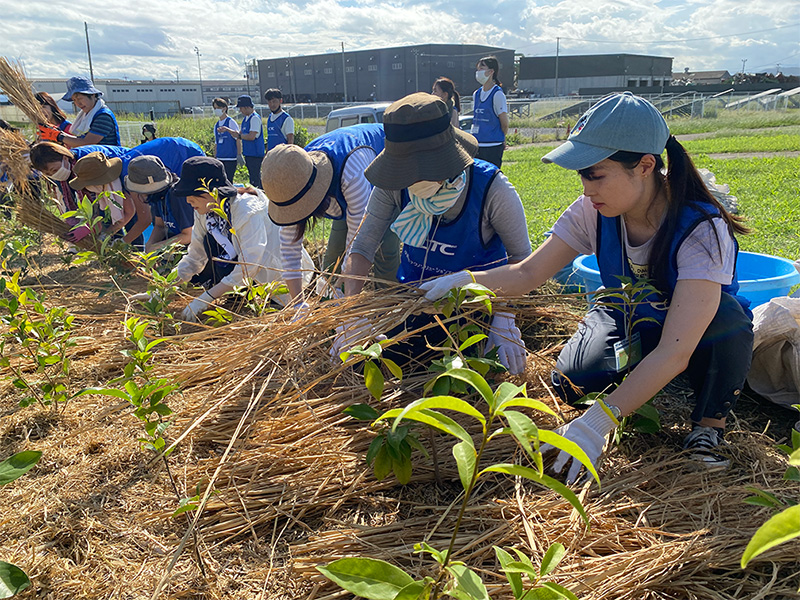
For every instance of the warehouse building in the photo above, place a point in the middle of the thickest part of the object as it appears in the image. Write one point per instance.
(564, 75)
(384, 74)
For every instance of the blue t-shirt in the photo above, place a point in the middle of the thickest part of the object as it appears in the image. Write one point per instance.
(172, 151)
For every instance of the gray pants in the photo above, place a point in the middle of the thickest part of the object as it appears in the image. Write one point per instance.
(716, 371)
(387, 258)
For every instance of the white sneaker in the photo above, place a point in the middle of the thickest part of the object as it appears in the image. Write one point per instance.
(701, 443)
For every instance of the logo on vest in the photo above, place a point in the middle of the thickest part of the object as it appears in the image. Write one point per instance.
(445, 249)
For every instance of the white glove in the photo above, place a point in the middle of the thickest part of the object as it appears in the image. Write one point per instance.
(589, 431)
(441, 286)
(196, 307)
(352, 333)
(301, 311)
(506, 336)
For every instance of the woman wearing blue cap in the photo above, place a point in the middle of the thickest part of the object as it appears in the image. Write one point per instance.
(95, 123)
(641, 224)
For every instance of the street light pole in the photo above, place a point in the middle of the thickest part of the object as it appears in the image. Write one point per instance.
(88, 50)
(199, 73)
(344, 74)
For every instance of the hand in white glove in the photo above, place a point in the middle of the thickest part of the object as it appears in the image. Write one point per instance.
(352, 333)
(301, 311)
(589, 431)
(441, 286)
(506, 336)
(143, 297)
(196, 307)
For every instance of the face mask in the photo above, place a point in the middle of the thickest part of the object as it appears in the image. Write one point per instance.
(481, 77)
(62, 174)
(424, 189)
(148, 135)
(218, 112)
(95, 189)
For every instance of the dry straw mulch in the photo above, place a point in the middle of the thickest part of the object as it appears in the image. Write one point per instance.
(260, 418)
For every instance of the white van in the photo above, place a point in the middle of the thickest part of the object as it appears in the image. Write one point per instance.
(353, 115)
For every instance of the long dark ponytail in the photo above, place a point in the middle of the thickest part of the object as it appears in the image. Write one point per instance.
(684, 187)
(491, 63)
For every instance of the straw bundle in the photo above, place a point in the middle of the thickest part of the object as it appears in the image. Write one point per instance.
(14, 157)
(17, 87)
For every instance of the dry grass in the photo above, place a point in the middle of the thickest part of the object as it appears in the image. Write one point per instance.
(260, 417)
(18, 89)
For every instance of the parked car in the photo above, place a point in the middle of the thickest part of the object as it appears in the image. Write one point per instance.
(465, 123)
(353, 115)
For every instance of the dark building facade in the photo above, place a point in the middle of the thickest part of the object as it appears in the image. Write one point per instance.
(538, 75)
(383, 74)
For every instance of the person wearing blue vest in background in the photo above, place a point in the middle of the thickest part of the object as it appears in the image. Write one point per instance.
(280, 125)
(325, 180)
(227, 148)
(252, 136)
(172, 216)
(489, 112)
(450, 211)
(56, 162)
(95, 123)
(641, 224)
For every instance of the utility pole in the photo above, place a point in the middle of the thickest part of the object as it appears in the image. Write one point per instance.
(744, 62)
(344, 74)
(88, 50)
(558, 43)
(199, 73)
(177, 77)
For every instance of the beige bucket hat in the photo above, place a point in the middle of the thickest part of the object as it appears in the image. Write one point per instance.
(421, 144)
(295, 181)
(95, 169)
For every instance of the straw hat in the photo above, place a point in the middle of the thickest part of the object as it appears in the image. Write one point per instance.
(295, 181)
(421, 144)
(95, 169)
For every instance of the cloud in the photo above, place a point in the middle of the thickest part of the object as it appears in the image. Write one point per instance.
(152, 38)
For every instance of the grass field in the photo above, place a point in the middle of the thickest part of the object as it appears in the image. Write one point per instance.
(768, 189)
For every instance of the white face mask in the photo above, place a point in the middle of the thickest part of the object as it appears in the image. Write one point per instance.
(481, 77)
(424, 189)
(62, 174)
(218, 112)
(96, 189)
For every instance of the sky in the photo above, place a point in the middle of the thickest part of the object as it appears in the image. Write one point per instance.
(154, 39)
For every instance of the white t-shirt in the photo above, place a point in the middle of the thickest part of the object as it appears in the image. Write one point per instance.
(288, 124)
(255, 123)
(699, 256)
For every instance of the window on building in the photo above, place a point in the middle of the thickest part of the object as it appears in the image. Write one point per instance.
(397, 66)
(633, 82)
(308, 72)
(287, 74)
(451, 64)
(271, 75)
(372, 67)
(644, 83)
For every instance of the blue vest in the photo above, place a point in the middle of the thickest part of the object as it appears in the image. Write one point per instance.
(252, 147)
(338, 145)
(109, 151)
(456, 245)
(485, 124)
(172, 151)
(226, 144)
(613, 261)
(173, 210)
(108, 140)
(275, 135)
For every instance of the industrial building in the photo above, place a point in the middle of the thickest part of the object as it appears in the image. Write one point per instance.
(384, 74)
(564, 75)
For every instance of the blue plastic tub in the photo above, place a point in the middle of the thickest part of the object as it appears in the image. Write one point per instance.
(761, 276)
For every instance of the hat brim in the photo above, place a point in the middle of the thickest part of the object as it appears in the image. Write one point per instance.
(303, 207)
(145, 188)
(91, 91)
(574, 155)
(390, 171)
(113, 172)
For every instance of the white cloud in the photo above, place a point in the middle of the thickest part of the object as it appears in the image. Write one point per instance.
(152, 38)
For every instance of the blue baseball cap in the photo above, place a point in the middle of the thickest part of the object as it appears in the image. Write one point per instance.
(244, 100)
(83, 85)
(618, 122)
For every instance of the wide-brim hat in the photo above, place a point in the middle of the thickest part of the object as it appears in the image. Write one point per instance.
(421, 144)
(95, 169)
(295, 181)
(83, 85)
(147, 175)
(244, 100)
(618, 122)
(201, 173)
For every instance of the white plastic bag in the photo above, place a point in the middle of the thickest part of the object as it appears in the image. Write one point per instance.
(775, 371)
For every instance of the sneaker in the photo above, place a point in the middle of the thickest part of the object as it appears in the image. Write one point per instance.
(701, 443)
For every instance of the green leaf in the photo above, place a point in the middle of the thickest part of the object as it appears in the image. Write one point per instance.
(441, 402)
(523, 429)
(414, 591)
(435, 420)
(476, 381)
(761, 501)
(394, 368)
(402, 469)
(12, 580)
(362, 412)
(545, 480)
(367, 577)
(781, 528)
(792, 474)
(424, 547)
(472, 340)
(551, 558)
(383, 464)
(514, 579)
(374, 447)
(374, 379)
(794, 458)
(465, 456)
(570, 447)
(17, 465)
(560, 590)
(468, 582)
